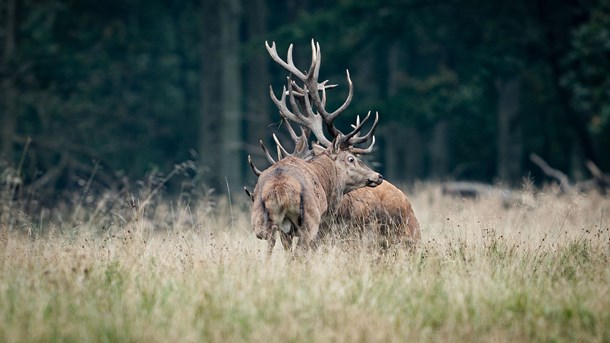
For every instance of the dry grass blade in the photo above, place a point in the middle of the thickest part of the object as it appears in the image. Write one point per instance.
(482, 272)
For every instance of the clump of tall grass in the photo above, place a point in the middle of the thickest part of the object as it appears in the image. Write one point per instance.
(192, 271)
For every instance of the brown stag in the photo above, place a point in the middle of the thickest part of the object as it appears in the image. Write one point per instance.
(383, 211)
(294, 196)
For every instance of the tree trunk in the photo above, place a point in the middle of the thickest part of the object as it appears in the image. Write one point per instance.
(392, 167)
(402, 154)
(391, 170)
(258, 79)
(439, 150)
(412, 152)
(231, 162)
(509, 131)
(8, 115)
(554, 33)
(211, 105)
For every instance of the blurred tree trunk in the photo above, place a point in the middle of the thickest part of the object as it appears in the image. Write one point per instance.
(509, 131)
(8, 116)
(391, 169)
(403, 148)
(258, 79)
(412, 152)
(211, 95)
(555, 29)
(231, 161)
(402, 152)
(439, 150)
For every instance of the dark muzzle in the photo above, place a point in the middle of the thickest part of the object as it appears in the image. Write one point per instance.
(373, 182)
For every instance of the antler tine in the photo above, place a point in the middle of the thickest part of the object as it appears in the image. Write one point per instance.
(293, 102)
(357, 121)
(281, 105)
(347, 101)
(267, 154)
(280, 147)
(280, 156)
(316, 60)
(313, 121)
(288, 66)
(361, 151)
(256, 171)
(248, 193)
(293, 134)
(322, 87)
(302, 91)
(356, 137)
(320, 103)
(348, 137)
(301, 142)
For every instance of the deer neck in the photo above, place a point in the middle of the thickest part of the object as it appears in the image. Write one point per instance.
(327, 175)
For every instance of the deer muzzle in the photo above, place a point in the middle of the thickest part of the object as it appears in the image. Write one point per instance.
(375, 181)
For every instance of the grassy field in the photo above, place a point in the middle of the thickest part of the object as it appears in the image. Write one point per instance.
(166, 272)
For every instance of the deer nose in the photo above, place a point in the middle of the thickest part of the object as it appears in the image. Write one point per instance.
(376, 181)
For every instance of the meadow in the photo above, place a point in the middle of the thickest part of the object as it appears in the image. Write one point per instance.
(107, 269)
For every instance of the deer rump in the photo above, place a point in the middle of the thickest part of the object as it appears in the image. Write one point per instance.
(287, 198)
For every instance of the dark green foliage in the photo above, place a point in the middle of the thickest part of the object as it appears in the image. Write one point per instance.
(119, 82)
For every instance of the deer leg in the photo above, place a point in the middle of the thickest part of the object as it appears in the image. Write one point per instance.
(308, 232)
(286, 239)
(270, 244)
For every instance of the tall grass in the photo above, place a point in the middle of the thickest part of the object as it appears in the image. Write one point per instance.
(115, 272)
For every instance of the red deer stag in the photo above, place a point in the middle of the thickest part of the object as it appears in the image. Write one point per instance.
(294, 196)
(384, 211)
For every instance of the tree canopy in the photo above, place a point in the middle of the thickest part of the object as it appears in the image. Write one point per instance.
(465, 89)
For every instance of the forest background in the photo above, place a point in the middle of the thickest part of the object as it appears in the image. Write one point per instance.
(107, 91)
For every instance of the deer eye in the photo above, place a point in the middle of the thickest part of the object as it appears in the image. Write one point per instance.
(351, 159)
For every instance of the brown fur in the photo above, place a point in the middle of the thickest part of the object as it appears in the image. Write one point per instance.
(294, 196)
(384, 211)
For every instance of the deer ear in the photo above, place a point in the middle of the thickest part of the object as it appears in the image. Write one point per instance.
(318, 149)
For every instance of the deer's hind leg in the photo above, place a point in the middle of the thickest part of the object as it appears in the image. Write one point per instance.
(309, 231)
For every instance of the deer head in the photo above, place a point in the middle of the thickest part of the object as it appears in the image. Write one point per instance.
(308, 110)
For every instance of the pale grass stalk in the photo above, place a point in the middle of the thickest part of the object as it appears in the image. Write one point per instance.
(483, 272)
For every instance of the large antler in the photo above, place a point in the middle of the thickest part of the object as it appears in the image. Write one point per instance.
(310, 92)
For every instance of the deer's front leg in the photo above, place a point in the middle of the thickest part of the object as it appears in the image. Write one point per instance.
(286, 239)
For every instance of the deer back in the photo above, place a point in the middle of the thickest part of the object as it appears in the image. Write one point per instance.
(384, 209)
(284, 195)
